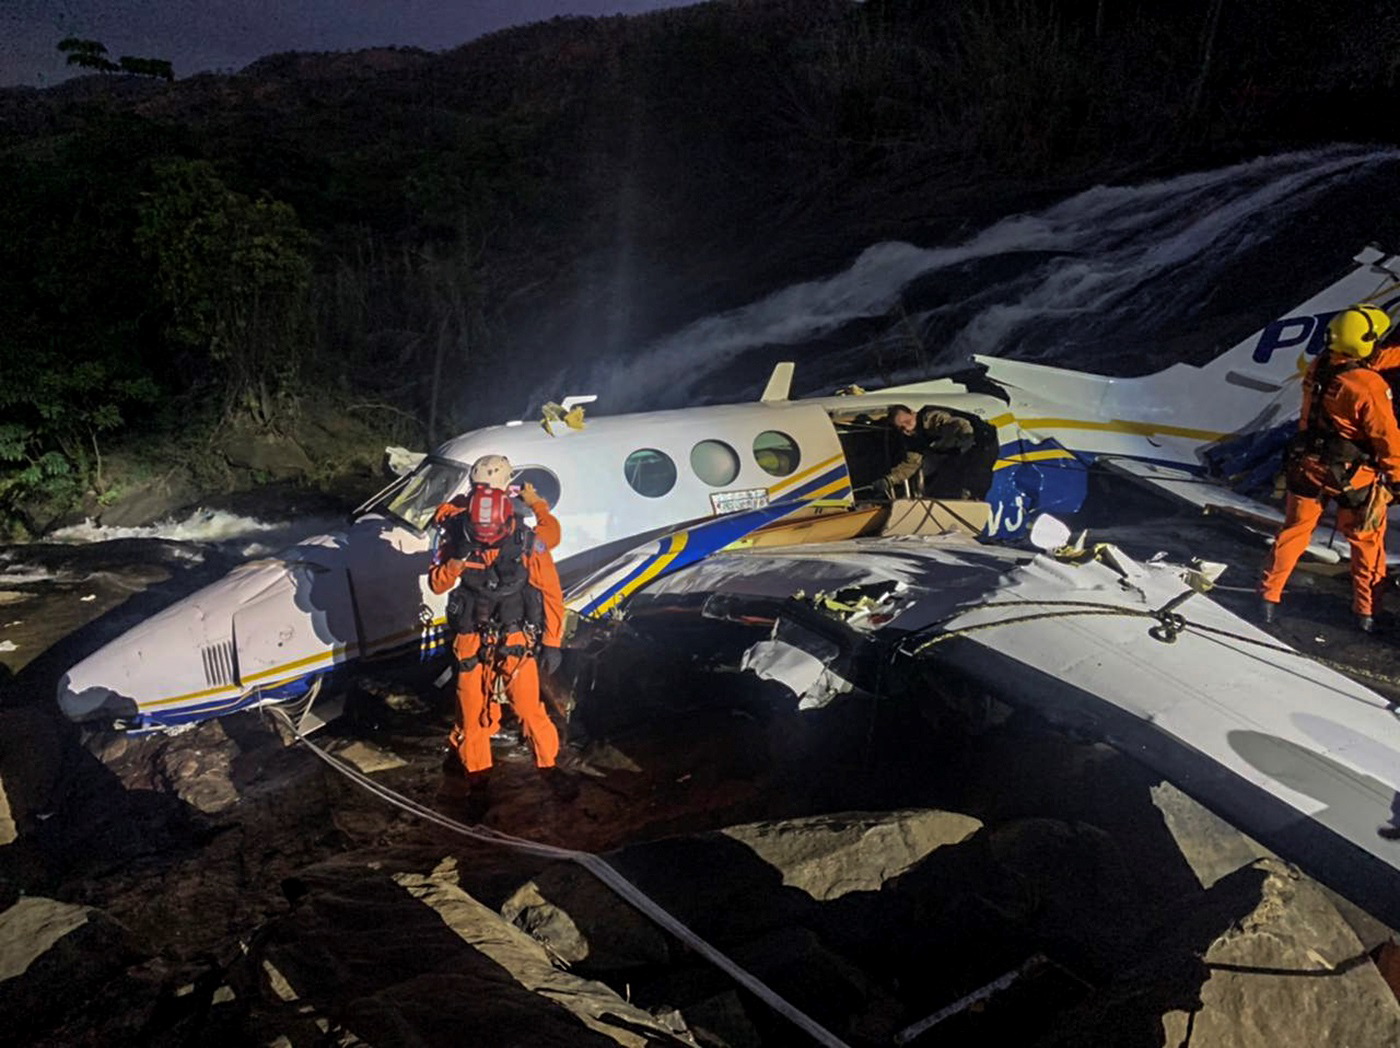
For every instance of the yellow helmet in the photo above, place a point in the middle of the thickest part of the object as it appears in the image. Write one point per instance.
(492, 470)
(1355, 331)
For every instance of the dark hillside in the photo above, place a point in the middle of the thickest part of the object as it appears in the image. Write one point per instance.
(390, 229)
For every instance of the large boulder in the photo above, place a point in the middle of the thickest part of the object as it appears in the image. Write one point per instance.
(1291, 971)
(8, 832)
(827, 856)
(35, 755)
(194, 765)
(149, 501)
(279, 458)
(54, 957)
(1261, 959)
(410, 958)
(1210, 845)
(1070, 886)
(805, 971)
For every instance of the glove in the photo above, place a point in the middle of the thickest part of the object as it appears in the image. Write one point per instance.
(528, 493)
(550, 659)
(884, 489)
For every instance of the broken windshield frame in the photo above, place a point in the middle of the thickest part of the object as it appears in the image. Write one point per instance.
(428, 487)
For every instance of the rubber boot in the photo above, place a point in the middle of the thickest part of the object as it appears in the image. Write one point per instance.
(478, 796)
(1366, 624)
(452, 765)
(1268, 611)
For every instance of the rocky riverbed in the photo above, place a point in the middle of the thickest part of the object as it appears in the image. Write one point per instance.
(872, 864)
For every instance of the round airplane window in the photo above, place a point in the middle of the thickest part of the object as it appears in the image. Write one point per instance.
(776, 453)
(714, 462)
(650, 472)
(545, 482)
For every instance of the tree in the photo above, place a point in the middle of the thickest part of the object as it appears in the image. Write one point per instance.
(157, 67)
(232, 275)
(90, 54)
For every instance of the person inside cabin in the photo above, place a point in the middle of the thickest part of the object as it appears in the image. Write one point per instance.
(1347, 451)
(936, 456)
(507, 610)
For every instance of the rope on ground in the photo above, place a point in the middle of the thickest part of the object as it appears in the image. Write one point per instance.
(595, 865)
(1169, 624)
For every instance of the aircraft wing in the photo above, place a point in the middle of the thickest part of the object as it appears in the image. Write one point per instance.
(1213, 497)
(1301, 757)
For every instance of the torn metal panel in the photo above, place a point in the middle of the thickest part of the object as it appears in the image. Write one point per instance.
(803, 661)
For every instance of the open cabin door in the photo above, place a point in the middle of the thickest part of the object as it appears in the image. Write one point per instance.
(388, 579)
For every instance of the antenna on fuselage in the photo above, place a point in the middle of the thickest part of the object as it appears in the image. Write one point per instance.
(779, 383)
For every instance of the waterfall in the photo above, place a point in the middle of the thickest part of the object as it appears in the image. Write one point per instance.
(1080, 284)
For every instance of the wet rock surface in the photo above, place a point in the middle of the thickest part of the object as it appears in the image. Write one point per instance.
(871, 862)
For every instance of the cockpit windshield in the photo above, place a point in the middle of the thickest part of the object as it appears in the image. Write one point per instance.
(430, 485)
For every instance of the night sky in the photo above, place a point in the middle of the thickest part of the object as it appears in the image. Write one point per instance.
(203, 35)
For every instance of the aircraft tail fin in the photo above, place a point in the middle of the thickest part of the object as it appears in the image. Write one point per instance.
(779, 383)
(1252, 385)
(1270, 357)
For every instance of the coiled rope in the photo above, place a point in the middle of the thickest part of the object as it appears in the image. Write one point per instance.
(595, 865)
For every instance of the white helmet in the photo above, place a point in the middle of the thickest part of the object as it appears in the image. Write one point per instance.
(492, 470)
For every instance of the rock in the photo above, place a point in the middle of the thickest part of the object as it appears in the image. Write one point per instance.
(1261, 959)
(721, 1022)
(1070, 886)
(197, 765)
(149, 502)
(411, 958)
(829, 855)
(368, 757)
(1289, 972)
(29, 929)
(1209, 844)
(280, 458)
(8, 833)
(584, 923)
(803, 970)
(54, 957)
(35, 757)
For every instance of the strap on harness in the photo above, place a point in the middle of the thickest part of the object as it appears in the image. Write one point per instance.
(1319, 462)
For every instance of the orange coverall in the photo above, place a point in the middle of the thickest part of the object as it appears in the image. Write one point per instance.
(476, 687)
(1359, 404)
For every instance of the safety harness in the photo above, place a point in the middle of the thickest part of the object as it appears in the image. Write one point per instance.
(496, 599)
(1319, 463)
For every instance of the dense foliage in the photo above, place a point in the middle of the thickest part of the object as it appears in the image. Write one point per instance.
(418, 231)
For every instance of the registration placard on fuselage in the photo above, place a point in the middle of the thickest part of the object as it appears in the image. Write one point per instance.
(723, 502)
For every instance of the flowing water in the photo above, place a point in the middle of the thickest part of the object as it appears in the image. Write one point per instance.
(1116, 279)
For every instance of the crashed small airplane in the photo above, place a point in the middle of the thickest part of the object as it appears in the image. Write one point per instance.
(716, 508)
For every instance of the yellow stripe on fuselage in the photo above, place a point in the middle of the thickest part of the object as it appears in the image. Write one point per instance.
(843, 481)
(653, 569)
(783, 485)
(1117, 425)
(276, 671)
(1032, 456)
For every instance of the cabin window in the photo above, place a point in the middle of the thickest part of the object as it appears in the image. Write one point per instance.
(650, 472)
(776, 453)
(714, 462)
(545, 482)
(431, 484)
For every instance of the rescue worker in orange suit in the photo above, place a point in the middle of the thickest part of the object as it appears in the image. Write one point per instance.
(507, 609)
(1347, 450)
